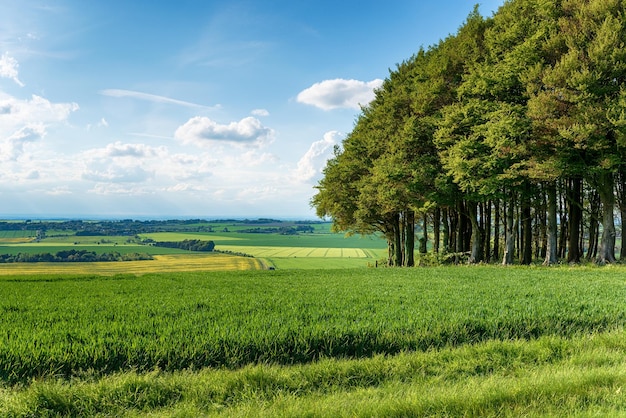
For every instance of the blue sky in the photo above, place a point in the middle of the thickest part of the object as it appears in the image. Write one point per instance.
(191, 108)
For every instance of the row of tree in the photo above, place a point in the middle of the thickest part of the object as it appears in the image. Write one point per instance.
(506, 139)
(187, 244)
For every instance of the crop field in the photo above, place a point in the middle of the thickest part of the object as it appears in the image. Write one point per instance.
(318, 249)
(161, 263)
(322, 249)
(449, 341)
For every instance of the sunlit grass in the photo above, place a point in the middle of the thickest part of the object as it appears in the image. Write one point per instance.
(550, 376)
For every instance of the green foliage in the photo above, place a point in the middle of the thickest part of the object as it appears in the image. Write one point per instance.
(188, 244)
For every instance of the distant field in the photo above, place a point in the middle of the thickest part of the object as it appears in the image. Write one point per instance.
(321, 249)
(303, 251)
(161, 263)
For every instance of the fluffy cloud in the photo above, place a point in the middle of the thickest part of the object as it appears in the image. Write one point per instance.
(122, 163)
(8, 68)
(202, 130)
(25, 121)
(313, 160)
(14, 112)
(339, 93)
(13, 146)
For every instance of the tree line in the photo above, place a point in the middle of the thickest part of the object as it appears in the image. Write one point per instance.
(72, 256)
(187, 244)
(505, 141)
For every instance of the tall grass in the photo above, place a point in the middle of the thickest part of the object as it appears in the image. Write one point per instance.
(549, 376)
(68, 326)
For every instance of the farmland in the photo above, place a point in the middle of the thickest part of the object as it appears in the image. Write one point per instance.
(317, 248)
(437, 341)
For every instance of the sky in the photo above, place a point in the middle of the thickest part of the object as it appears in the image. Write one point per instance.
(192, 108)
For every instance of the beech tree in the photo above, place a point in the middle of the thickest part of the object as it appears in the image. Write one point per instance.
(523, 112)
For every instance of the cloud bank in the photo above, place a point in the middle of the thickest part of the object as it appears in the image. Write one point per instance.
(339, 93)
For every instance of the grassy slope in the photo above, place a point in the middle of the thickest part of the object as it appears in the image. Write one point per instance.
(493, 342)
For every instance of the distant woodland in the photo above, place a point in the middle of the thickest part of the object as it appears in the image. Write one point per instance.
(505, 141)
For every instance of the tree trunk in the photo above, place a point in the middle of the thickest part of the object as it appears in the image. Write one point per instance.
(397, 261)
(477, 239)
(496, 230)
(487, 234)
(527, 231)
(410, 239)
(446, 230)
(509, 230)
(575, 220)
(594, 216)
(436, 229)
(621, 188)
(551, 251)
(607, 243)
(564, 223)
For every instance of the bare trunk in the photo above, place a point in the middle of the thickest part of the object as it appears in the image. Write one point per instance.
(575, 219)
(551, 252)
(446, 230)
(477, 240)
(527, 232)
(436, 229)
(496, 231)
(397, 241)
(607, 243)
(509, 231)
(410, 239)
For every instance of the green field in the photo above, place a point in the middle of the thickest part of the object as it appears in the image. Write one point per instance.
(453, 341)
(320, 249)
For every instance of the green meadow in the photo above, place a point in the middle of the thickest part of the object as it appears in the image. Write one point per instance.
(321, 335)
(448, 341)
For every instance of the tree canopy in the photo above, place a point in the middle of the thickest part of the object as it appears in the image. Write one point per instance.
(516, 123)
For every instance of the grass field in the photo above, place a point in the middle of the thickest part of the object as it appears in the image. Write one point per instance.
(453, 341)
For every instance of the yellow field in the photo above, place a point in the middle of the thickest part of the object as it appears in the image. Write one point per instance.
(161, 263)
(179, 236)
(259, 251)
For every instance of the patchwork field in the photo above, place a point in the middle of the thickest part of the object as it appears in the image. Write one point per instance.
(317, 249)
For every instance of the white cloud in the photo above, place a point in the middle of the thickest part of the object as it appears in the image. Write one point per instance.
(312, 162)
(260, 112)
(15, 112)
(202, 130)
(8, 68)
(339, 93)
(151, 98)
(13, 146)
